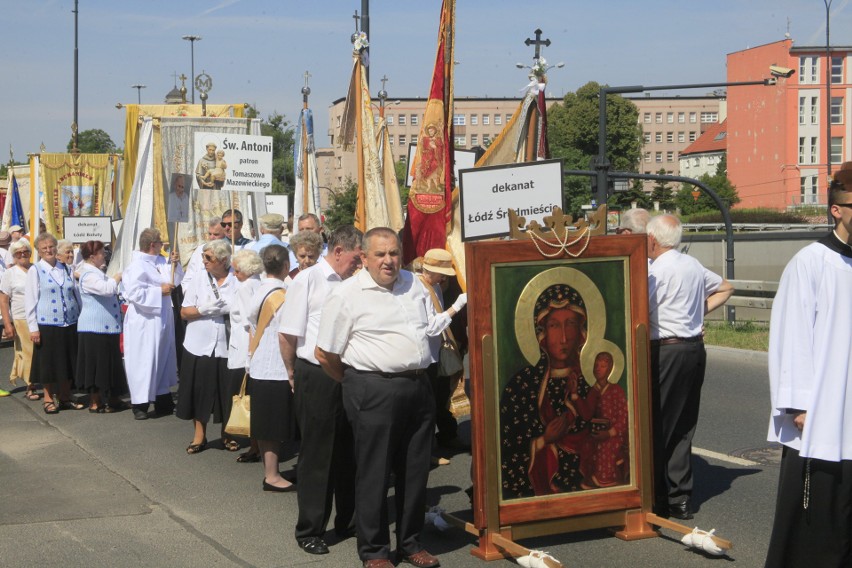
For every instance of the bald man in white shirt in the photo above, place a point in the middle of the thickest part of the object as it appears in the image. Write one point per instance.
(681, 292)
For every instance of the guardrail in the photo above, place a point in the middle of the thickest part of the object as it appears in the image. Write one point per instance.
(756, 227)
(753, 294)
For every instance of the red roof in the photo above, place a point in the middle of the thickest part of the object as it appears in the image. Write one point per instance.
(714, 139)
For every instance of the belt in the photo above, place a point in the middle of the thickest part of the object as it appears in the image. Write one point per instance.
(676, 340)
(383, 374)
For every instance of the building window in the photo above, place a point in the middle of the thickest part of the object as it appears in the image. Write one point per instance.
(836, 149)
(647, 118)
(460, 140)
(401, 120)
(659, 157)
(808, 70)
(814, 110)
(681, 118)
(375, 120)
(647, 156)
(658, 118)
(646, 137)
(670, 137)
(414, 119)
(681, 137)
(474, 119)
(802, 109)
(809, 190)
(658, 137)
(390, 139)
(459, 120)
(801, 149)
(498, 119)
(339, 160)
(486, 119)
(414, 139)
(474, 139)
(692, 136)
(508, 118)
(390, 120)
(836, 69)
(814, 151)
(402, 139)
(708, 117)
(693, 117)
(836, 110)
(670, 156)
(670, 118)
(486, 140)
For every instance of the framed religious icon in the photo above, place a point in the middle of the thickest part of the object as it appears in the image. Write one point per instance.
(559, 374)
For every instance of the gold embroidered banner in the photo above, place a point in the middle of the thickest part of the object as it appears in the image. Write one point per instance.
(73, 186)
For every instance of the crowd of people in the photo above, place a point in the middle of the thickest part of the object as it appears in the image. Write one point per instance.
(250, 314)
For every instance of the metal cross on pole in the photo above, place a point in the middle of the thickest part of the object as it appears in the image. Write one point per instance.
(537, 42)
(306, 90)
(357, 19)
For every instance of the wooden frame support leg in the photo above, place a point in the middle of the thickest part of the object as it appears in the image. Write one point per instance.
(636, 526)
(488, 549)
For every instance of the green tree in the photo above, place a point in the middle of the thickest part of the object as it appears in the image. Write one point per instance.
(573, 137)
(719, 182)
(283, 139)
(94, 141)
(636, 193)
(401, 171)
(343, 201)
(662, 193)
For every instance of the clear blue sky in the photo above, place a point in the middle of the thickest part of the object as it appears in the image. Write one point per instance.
(257, 51)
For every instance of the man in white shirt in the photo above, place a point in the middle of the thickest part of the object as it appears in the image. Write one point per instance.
(681, 291)
(810, 375)
(374, 336)
(326, 460)
(271, 229)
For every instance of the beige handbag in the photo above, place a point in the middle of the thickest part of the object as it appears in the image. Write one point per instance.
(239, 422)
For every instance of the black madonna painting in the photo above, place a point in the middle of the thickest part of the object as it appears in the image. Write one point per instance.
(564, 411)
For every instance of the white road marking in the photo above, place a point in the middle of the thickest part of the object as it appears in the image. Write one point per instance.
(723, 457)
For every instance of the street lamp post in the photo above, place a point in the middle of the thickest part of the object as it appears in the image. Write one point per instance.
(192, 39)
(827, 92)
(138, 92)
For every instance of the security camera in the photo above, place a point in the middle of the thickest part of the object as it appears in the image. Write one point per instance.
(778, 71)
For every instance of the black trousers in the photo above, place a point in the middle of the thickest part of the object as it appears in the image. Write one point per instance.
(392, 421)
(677, 374)
(446, 423)
(820, 535)
(326, 467)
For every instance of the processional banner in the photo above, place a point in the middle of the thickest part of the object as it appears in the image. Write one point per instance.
(73, 186)
(178, 143)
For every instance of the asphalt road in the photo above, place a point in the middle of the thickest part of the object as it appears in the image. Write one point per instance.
(104, 490)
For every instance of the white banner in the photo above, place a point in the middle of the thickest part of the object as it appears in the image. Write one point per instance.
(233, 162)
(278, 204)
(532, 189)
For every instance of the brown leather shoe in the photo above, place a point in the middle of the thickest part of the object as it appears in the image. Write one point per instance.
(422, 559)
(378, 563)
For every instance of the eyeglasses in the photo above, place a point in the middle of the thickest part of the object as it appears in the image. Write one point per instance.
(21, 254)
(209, 258)
(226, 225)
(847, 205)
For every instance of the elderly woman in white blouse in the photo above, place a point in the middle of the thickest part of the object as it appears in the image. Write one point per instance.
(271, 393)
(247, 269)
(12, 288)
(204, 389)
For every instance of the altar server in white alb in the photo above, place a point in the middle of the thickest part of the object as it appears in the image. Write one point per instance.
(810, 376)
(149, 338)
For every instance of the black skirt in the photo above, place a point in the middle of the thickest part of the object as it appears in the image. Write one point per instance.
(55, 358)
(203, 389)
(100, 367)
(271, 410)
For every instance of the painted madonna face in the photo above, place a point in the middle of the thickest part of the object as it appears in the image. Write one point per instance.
(561, 325)
(563, 336)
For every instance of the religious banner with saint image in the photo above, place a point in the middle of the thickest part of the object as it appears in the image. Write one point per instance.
(73, 186)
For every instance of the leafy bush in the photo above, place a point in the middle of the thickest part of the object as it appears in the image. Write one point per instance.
(758, 215)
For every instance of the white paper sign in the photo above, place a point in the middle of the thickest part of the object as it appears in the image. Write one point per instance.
(81, 229)
(278, 204)
(232, 162)
(532, 189)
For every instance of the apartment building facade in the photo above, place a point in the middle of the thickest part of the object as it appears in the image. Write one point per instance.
(781, 137)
